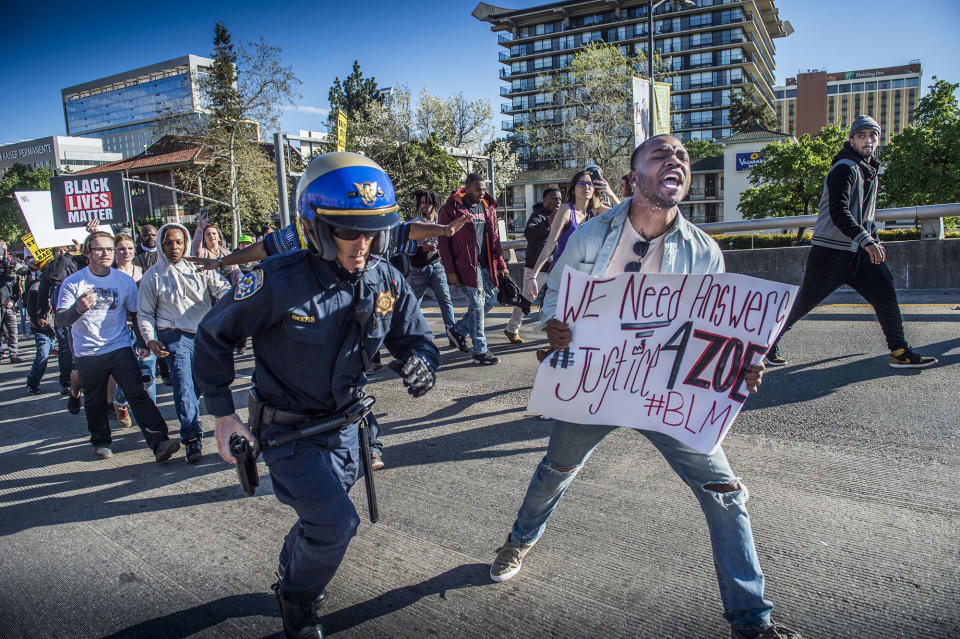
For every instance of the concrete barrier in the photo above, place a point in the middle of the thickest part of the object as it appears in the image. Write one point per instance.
(916, 264)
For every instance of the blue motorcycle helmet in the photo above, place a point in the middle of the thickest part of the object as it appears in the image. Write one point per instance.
(349, 191)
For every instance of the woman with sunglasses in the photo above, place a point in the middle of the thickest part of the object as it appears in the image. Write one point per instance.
(582, 203)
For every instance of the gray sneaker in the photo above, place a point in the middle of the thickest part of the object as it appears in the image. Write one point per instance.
(165, 449)
(103, 452)
(508, 561)
(773, 631)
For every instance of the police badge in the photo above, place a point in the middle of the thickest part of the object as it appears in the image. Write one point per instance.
(385, 302)
(250, 284)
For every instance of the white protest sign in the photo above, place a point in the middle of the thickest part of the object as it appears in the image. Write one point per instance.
(660, 352)
(38, 212)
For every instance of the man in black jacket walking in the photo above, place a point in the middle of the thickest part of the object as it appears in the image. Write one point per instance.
(846, 249)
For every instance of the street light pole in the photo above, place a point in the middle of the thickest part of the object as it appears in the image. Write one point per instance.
(685, 4)
(653, 5)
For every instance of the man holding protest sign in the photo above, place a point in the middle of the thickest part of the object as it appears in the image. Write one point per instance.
(646, 235)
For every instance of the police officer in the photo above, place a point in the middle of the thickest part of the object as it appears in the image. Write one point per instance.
(317, 318)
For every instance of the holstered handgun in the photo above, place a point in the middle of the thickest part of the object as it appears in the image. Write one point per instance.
(246, 455)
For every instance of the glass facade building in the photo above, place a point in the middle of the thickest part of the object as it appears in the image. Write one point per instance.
(123, 109)
(710, 50)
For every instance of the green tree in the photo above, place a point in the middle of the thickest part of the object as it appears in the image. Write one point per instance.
(789, 179)
(747, 111)
(420, 164)
(922, 163)
(413, 161)
(505, 166)
(18, 178)
(589, 111)
(456, 121)
(699, 149)
(355, 95)
(245, 90)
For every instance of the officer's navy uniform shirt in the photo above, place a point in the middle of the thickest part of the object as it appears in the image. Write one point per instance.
(305, 335)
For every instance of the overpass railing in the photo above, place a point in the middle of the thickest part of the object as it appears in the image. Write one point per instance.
(919, 214)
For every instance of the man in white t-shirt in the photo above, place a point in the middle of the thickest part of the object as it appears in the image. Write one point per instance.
(94, 303)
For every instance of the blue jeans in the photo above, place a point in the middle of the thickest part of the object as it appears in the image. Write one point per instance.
(735, 558)
(480, 301)
(40, 359)
(64, 355)
(436, 278)
(180, 362)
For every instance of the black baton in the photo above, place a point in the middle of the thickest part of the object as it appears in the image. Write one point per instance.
(363, 433)
(351, 414)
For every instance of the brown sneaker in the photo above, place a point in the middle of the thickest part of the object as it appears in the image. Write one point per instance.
(907, 358)
(508, 561)
(123, 415)
(514, 338)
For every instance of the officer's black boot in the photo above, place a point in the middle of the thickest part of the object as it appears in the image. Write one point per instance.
(300, 621)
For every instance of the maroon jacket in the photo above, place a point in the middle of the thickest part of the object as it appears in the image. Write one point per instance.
(459, 253)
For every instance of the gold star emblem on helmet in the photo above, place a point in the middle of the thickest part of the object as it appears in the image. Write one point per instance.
(369, 192)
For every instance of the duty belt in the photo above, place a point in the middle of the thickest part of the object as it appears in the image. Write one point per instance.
(308, 425)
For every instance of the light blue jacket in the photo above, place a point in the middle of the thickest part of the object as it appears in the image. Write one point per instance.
(686, 249)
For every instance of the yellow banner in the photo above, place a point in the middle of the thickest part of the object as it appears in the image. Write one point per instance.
(661, 108)
(42, 256)
(340, 131)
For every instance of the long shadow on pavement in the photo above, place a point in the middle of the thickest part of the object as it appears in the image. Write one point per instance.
(800, 383)
(186, 623)
(59, 498)
(465, 576)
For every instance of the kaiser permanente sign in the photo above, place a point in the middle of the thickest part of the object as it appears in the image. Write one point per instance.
(77, 200)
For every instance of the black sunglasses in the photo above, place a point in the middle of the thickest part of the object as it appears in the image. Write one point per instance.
(640, 248)
(349, 235)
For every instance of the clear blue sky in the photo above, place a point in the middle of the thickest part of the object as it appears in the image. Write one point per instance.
(437, 45)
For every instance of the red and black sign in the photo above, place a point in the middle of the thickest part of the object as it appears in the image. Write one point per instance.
(77, 200)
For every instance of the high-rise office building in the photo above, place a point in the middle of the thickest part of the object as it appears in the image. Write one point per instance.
(812, 100)
(123, 109)
(710, 50)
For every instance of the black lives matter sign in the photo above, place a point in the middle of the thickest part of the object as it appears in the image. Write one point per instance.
(78, 200)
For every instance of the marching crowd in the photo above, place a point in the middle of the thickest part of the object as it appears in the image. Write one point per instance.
(117, 310)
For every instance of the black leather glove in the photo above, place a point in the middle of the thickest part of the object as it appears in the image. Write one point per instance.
(417, 377)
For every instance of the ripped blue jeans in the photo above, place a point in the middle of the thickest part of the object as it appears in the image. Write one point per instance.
(712, 481)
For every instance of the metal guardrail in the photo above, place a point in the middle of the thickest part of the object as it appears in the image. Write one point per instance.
(796, 221)
(915, 213)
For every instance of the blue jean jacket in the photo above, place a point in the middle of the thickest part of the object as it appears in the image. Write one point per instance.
(686, 249)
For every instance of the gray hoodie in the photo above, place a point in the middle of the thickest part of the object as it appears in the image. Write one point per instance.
(176, 295)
